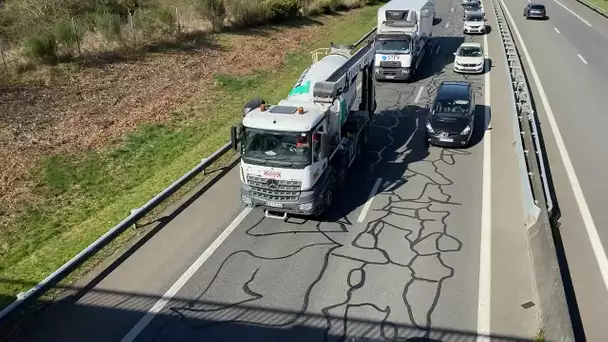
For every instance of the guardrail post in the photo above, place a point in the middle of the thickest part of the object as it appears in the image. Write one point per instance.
(133, 212)
(205, 169)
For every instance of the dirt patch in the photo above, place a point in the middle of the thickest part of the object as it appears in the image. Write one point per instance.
(89, 108)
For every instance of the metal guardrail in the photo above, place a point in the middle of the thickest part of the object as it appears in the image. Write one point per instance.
(537, 197)
(136, 214)
(594, 7)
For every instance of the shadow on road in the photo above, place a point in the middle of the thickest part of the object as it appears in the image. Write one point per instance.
(109, 315)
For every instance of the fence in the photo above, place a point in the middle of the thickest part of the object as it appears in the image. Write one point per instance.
(537, 197)
(137, 214)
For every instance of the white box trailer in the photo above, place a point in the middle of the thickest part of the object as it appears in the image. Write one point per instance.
(403, 31)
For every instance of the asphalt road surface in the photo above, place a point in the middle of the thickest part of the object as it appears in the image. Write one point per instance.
(569, 55)
(426, 242)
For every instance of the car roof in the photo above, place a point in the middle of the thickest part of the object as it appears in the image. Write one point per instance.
(475, 13)
(453, 90)
(471, 44)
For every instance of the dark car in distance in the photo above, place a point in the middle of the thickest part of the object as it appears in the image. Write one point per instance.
(451, 116)
(535, 11)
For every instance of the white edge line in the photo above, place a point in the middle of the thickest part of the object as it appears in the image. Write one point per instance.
(581, 58)
(594, 239)
(485, 252)
(370, 199)
(417, 99)
(447, 25)
(572, 12)
(556, 30)
(161, 303)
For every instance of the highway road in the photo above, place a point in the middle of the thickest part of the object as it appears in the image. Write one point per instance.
(426, 242)
(567, 59)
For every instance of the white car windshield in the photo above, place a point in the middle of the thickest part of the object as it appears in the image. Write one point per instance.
(469, 52)
(476, 18)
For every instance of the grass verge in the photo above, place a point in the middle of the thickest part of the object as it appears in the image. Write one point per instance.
(603, 4)
(89, 194)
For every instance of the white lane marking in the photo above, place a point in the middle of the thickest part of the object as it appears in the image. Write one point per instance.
(556, 30)
(370, 199)
(447, 25)
(594, 238)
(581, 58)
(529, 1)
(485, 252)
(417, 99)
(452, 9)
(437, 50)
(161, 303)
(572, 12)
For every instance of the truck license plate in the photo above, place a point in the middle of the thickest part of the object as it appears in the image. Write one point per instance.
(274, 204)
(446, 139)
(390, 76)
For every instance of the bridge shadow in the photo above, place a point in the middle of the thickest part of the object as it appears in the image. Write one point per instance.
(106, 315)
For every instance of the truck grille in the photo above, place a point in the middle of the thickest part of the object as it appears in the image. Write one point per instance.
(468, 64)
(281, 191)
(390, 64)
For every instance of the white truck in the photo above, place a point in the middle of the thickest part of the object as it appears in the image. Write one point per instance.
(296, 154)
(403, 32)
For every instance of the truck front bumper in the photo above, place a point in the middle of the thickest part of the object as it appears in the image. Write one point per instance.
(305, 205)
(399, 74)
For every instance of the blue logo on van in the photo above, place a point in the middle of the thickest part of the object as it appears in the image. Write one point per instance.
(384, 58)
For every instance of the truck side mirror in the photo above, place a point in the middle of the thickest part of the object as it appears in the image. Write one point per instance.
(236, 134)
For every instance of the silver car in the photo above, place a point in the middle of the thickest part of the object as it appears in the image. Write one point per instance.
(535, 11)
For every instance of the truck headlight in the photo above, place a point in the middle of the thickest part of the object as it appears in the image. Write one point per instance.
(246, 200)
(466, 130)
(306, 206)
(430, 128)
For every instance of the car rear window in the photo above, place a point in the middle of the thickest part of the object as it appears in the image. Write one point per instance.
(538, 7)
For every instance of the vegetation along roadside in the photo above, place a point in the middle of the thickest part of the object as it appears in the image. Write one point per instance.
(85, 140)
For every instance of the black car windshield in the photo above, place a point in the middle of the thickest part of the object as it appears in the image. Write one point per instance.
(452, 108)
(284, 149)
(469, 51)
(393, 46)
(537, 7)
(475, 17)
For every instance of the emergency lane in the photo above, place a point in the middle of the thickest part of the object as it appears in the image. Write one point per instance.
(566, 64)
(402, 248)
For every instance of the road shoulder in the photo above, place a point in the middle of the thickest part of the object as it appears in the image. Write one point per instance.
(512, 281)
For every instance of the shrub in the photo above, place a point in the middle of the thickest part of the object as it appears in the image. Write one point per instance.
(214, 11)
(248, 13)
(156, 23)
(42, 46)
(69, 34)
(278, 10)
(324, 6)
(108, 25)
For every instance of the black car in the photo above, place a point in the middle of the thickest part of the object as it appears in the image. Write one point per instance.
(452, 115)
(535, 11)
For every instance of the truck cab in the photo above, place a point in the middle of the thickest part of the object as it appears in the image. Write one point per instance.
(404, 27)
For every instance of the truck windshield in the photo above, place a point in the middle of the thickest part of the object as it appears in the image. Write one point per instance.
(393, 46)
(280, 149)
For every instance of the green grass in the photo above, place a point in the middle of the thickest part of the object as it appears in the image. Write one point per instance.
(540, 337)
(603, 4)
(86, 195)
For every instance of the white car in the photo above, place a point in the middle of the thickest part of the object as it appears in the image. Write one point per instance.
(474, 22)
(469, 58)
